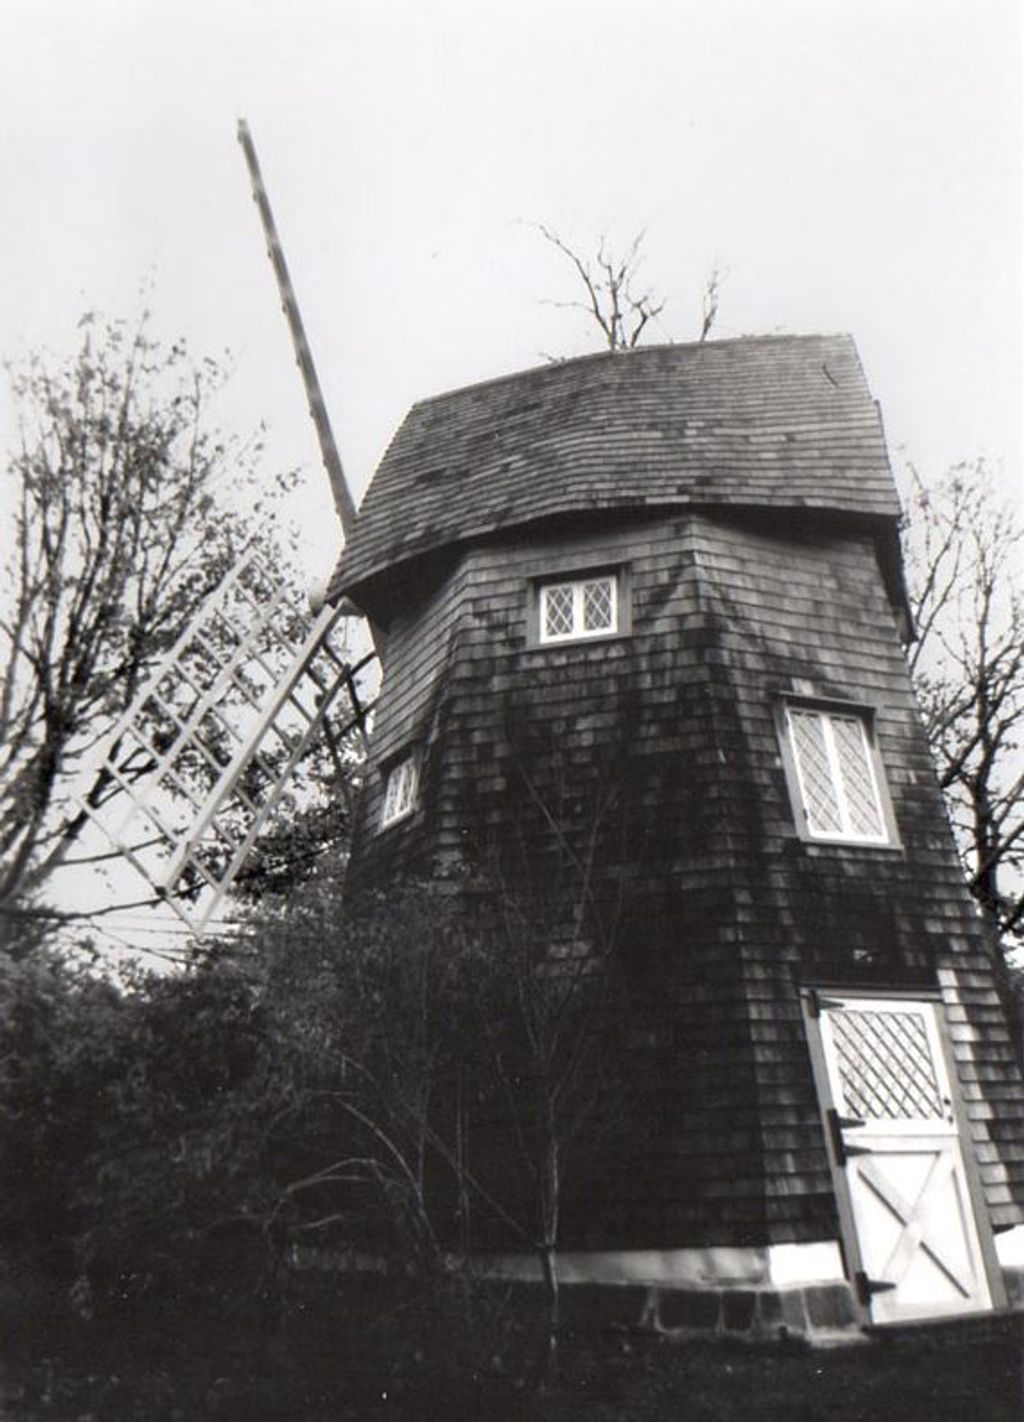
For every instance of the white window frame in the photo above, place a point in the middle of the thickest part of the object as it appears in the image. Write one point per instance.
(578, 584)
(795, 773)
(401, 790)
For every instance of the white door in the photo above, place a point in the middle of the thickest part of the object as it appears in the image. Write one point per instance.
(897, 1148)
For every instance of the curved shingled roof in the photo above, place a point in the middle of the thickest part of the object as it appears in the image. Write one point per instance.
(768, 422)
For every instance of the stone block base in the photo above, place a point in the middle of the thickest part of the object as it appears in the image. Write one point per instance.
(1013, 1278)
(815, 1313)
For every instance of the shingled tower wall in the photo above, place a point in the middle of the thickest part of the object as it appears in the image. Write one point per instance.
(736, 502)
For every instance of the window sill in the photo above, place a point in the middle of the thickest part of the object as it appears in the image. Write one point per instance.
(872, 846)
(572, 643)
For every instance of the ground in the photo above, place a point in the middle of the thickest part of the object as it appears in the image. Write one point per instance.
(929, 1376)
(964, 1374)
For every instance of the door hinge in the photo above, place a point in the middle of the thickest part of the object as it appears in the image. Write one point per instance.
(841, 1148)
(819, 1004)
(866, 1288)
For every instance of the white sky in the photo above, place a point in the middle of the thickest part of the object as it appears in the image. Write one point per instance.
(851, 165)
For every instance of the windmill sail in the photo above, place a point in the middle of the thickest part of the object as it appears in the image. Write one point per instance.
(206, 756)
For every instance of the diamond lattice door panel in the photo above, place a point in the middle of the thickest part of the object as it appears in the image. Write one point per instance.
(916, 1239)
(885, 1065)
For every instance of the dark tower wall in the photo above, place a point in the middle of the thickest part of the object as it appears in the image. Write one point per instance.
(658, 751)
(740, 495)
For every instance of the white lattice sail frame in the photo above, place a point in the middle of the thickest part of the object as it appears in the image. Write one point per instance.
(205, 755)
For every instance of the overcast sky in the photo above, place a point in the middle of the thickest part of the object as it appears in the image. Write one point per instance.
(849, 166)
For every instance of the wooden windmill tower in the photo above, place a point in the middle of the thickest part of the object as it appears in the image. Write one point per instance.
(668, 583)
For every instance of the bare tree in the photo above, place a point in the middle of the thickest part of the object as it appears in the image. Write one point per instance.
(614, 297)
(964, 552)
(709, 303)
(119, 531)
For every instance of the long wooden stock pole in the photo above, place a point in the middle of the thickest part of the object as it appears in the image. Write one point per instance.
(343, 500)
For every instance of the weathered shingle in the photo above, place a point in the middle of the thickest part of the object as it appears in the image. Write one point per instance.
(649, 765)
(775, 422)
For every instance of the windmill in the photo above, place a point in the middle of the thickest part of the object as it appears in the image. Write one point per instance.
(641, 618)
(205, 757)
(642, 612)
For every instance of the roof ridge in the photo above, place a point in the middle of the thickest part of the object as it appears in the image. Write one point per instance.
(634, 353)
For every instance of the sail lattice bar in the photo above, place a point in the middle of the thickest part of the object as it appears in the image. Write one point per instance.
(207, 756)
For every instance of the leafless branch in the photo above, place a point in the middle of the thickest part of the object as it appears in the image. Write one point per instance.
(968, 604)
(613, 297)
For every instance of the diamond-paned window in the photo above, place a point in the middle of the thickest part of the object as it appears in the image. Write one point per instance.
(885, 1065)
(836, 775)
(400, 792)
(558, 611)
(584, 607)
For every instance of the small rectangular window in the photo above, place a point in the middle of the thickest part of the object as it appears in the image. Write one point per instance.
(580, 607)
(400, 791)
(836, 775)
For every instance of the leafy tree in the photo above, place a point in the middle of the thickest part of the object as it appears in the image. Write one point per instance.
(176, 1139)
(135, 1119)
(312, 830)
(964, 563)
(122, 525)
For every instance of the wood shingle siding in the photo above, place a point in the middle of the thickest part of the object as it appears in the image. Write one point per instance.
(722, 911)
(741, 493)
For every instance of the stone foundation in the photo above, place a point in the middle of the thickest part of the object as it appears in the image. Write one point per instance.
(765, 1293)
(818, 1313)
(1014, 1281)
(761, 1295)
